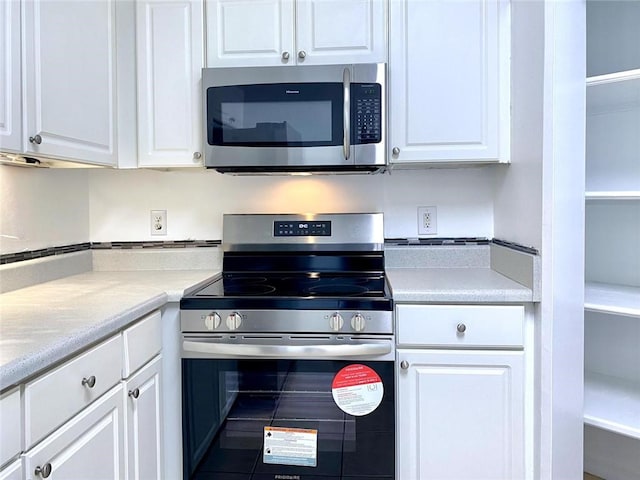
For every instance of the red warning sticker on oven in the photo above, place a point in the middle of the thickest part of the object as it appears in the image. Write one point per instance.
(357, 390)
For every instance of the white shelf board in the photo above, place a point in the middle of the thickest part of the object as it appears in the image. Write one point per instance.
(621, 88)
(612, 404)
(612, 195)
(617, 299)
(616, 77)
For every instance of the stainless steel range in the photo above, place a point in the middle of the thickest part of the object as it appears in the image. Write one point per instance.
(288, 355)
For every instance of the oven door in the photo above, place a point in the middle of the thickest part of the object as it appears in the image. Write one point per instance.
(317, 418)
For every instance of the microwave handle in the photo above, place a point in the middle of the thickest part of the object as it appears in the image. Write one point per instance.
(346, 139)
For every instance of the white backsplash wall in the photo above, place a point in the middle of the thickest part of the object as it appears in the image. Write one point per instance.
(195, 200)
(41, 208)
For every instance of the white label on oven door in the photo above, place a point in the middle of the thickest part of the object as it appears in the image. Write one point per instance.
(290, 446)
(357, 390)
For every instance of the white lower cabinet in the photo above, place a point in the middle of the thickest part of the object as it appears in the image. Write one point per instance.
(10, 419)
(98, 415)
(461, 409)
(91, 445)
(143, 423)
(13, 471)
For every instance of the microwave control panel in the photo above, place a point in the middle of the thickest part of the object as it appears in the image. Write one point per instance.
(367, 113)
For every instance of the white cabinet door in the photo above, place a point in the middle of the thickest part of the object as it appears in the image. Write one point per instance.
(11, 434)
(170, 44)
(90, 445)
(461, 415)
(339, 31)
(449, 81)
(10, 87)
(250, 33)
(143, 423)
(287, 32)
(70, 76)
(13, 471)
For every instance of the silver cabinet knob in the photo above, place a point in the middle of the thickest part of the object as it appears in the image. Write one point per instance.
(336, 322)
(395, 151)
(37, 139)
(358, 322)
(404, 365)
(135, 393)
(234, 321)
(302, 54)
(461, 328)
(89, 382)
(212, 321)
(197, 155)
(285, 56)
(43, 471)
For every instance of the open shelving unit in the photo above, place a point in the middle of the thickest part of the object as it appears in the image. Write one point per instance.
(612, 241)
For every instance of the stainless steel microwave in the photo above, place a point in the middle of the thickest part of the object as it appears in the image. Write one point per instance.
(329, 118)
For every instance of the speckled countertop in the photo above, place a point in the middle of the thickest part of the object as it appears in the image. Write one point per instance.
(43, 324)
(447, 285)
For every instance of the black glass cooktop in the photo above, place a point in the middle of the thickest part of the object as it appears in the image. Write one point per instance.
(302, 291)
(291, 280)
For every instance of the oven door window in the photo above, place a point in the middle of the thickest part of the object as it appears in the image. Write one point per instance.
(230, 406)
(276, 115)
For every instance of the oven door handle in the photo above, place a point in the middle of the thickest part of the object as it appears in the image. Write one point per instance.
(287, 351)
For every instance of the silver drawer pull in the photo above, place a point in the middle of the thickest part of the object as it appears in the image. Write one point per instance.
(461, 328)
(43, 471)
(89, 382)
(37, 139)
(135, 393)
(404, 365)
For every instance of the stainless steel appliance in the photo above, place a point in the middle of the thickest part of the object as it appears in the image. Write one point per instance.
(287, 357)
(329, 118)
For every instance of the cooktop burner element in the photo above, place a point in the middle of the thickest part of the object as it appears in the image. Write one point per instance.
(320, 266)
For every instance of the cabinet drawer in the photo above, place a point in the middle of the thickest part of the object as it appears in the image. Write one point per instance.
(461, 325)
(54, 397)
(142, 342)
(11, 431)
(12, 471)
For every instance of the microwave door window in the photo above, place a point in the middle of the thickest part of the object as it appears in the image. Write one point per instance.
(264, 116)
(276, 124)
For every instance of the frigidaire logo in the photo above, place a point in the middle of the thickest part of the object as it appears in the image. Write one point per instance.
(292, 91)
(286, 477)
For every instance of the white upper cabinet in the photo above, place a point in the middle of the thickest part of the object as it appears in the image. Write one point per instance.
(10, 91)
(288, 32)
(170, 57)
(449, 94)
(69, 60)
(339, 31)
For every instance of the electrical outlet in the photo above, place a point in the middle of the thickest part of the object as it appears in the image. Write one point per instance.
(158, 222)
(427, 221)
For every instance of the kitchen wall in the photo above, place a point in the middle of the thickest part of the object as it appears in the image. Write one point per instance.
(42, 208)
(195, 200)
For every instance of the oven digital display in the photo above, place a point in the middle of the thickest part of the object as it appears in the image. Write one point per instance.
(302, 229)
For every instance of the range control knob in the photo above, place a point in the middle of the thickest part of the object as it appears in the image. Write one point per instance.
(357, 322)
(212, 321)
(234, 321)
(336, 322)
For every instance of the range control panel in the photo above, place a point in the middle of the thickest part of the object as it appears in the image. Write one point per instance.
(302, 229)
